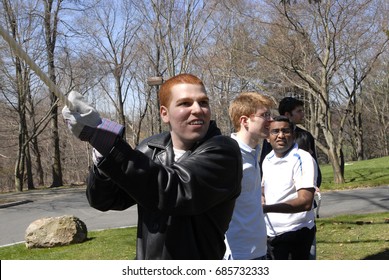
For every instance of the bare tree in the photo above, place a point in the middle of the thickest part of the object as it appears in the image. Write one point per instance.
(51, 19)
(319, 42)
(21, 84)
(24, 28)
(376, 110)
(108, 28)
(177, 30)
(171, 37)
(7, 148)
(320, 51)
(229, 64)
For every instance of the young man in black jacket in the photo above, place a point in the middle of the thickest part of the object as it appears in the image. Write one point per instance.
(184, 182)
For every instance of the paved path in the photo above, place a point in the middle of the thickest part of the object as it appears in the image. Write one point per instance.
(26, 207)
(18, 210)
(357, 201)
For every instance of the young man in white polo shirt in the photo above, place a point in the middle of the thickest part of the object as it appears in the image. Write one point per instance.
(246, 235)
(289, 179)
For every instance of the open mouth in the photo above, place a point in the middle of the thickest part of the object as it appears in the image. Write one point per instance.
(196, 122)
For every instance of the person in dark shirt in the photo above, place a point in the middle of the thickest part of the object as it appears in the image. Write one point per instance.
(184, 181)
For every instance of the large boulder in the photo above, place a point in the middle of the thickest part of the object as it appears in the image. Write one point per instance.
(55, 231)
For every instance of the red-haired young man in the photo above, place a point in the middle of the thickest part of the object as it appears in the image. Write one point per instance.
(184, 181)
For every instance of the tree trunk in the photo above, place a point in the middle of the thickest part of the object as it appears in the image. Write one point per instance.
(360, 149)
(50, 23)
(38, 161)
(21, 104)
(18, 175)
(19, 165)
(121, 117)
(30, 178)
(21, 157)
(56, 166)
(336, 167)
(20, 161)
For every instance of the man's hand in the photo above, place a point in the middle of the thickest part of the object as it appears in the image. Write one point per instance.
(86, 124)
(81, 117)
(302, 203)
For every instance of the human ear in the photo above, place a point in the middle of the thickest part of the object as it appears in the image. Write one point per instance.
(244, 121)
(164, 112)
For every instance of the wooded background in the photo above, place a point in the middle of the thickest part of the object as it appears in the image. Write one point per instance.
(331, 54)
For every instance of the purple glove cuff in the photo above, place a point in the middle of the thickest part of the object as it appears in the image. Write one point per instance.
(104, 135)
(111, 126)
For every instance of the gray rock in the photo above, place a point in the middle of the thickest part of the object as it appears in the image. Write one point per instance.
(55, 231)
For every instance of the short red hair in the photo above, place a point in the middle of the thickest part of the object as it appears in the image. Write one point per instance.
(166, 87)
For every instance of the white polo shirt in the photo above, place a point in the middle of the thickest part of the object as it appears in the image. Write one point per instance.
(282, 178)
(246, 234)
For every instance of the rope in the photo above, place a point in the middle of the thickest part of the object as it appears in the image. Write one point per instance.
(23, 55)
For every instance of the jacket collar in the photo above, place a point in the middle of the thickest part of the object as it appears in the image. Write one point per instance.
(163, 140)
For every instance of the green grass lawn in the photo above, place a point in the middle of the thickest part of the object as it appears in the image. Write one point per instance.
(352, 237)
(111, 244)
(338, 238)
(366, 173)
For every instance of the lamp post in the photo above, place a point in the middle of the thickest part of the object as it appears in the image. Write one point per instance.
(156, 81)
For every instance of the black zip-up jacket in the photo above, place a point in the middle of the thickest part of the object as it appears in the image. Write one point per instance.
(184, 207)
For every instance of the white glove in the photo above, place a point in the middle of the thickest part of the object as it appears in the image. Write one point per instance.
(85, 123)
(80, 115)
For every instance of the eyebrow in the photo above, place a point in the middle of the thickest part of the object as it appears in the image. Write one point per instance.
(205, 98)
(278, 127)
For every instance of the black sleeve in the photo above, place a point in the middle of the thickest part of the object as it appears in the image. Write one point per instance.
(208, 176)
(266, 149)
(103, 194)
(313, 153)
